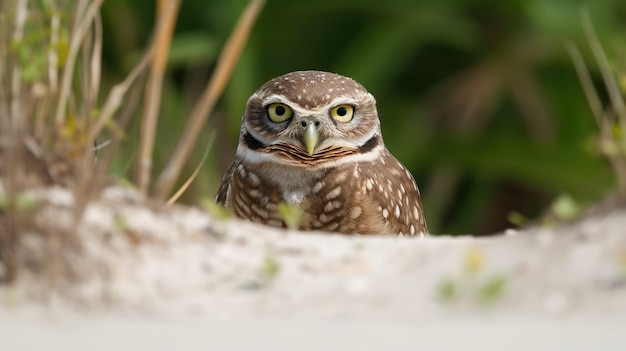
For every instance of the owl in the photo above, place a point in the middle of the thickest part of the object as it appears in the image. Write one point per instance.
(313, 140)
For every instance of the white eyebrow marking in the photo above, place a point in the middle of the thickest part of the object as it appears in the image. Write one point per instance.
(303, 109)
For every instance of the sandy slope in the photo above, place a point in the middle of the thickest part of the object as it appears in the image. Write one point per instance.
(155, 276)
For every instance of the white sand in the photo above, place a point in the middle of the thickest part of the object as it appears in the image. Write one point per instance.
(176, 279)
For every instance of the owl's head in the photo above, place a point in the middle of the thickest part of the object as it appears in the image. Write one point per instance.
(309, 116)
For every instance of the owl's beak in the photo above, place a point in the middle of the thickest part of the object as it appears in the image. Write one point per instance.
(310, 138)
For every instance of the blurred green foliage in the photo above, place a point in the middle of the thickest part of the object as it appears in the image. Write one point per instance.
(478, 98)
(473, 283)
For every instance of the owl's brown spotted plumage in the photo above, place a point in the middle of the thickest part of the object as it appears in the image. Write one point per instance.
(313, 139)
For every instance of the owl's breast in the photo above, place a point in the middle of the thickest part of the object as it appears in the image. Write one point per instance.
(351, 198)
(256, 191)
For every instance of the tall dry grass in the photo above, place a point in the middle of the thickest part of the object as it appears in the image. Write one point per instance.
(58, 126)
(610, 119)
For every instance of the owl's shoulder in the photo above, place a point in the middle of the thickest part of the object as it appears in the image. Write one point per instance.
(223, 189)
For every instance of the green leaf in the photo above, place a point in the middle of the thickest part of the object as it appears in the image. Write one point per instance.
(492, 289)
(270, 268)
(291, 213)
(120, 222)
(23, 202)
(565, 207)
(474, 261)
(517, 218)
(217, 211)
(447, 290)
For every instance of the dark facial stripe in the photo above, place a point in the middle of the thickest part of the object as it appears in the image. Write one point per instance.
(370, 144)
(251, 142)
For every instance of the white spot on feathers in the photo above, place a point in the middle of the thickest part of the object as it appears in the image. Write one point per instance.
(333, 193)
(355, 212)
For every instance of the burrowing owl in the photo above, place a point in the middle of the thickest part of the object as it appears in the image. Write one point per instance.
(313, 139)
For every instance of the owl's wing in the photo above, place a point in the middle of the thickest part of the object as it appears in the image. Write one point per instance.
(389, 197)
(222, 191)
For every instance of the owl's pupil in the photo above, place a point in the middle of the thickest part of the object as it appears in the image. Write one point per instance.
(342, 111)
(280, 110)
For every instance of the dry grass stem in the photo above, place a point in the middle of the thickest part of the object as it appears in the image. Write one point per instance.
(607, 75)
(611, 146)
(193, 176)
(21, 14)
(48, 97)
(201, 111)
(78, 36)
(95, 62)
(53, 55)
(116, 96)
(166, 14)
(587, 83)
(118, 130)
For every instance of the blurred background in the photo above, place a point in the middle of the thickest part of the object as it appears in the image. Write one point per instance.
(479, 99)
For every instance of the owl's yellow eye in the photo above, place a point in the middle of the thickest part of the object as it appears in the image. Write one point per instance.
(279, 112)
(342, 113)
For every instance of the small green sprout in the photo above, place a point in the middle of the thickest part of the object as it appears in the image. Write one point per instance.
(120, 222)
(22, 202)
(565, 207)
(447, 290)
(517, 218)
(490, 291)
(214, 209)
(291, 213)
(474, 261)
(360, 246)
(11, 298)
(473, 284)
(270, 268)
(125, 182)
